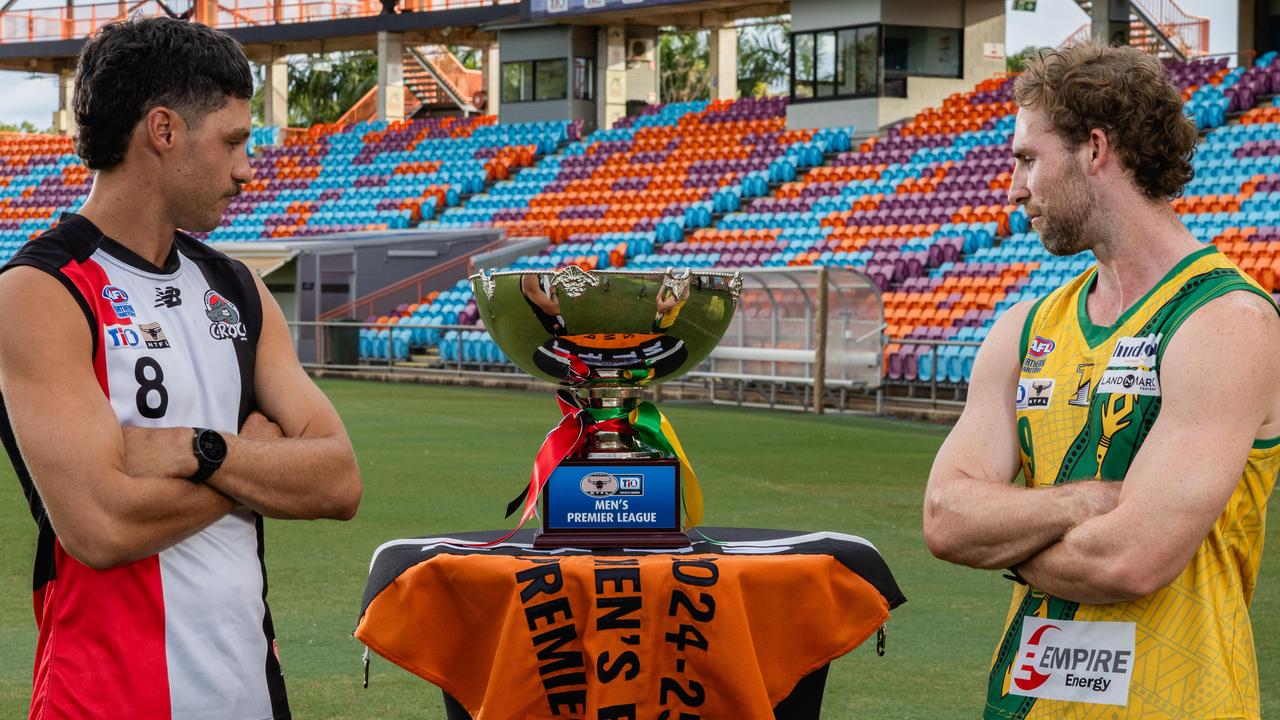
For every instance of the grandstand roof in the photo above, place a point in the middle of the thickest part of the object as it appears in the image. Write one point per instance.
(458, 26)
(695, 13)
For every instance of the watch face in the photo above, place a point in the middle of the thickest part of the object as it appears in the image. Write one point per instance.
(212, 446)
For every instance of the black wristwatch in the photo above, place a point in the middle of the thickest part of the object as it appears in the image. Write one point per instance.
(210, 449)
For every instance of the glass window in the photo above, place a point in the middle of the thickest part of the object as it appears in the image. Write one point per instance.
(584, 78)
(868, 60)
(802, 63)
(837, 63)
(847, 63)
(550, 79)
(825, 61)
(922, 51)
(517, 81)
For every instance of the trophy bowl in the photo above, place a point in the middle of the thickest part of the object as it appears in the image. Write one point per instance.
(603, 337)
(629, 328)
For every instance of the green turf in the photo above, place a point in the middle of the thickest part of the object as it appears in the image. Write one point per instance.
(437, 459)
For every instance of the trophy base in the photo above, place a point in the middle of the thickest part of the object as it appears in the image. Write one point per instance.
(668, 539)
(600, 503)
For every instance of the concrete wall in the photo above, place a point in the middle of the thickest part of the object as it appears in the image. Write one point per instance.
(863, 114)
(924, 13)
(983, 27)
(534, 43)
(819, 14)
(642, 75)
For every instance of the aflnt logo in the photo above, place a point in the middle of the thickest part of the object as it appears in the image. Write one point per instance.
(1037, 350)
(119, 300)
(1040, 347)
(1074, 661)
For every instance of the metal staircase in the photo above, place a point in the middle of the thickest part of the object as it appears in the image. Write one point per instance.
(1159, 27)
(439, 80)
(434, 81)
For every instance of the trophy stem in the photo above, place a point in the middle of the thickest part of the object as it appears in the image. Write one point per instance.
(606, 445)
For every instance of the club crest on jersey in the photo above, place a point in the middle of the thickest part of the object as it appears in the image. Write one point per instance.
(1037, 351)
(119, 300)
(224, 317)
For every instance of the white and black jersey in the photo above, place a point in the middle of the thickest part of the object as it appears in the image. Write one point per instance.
(185, 633)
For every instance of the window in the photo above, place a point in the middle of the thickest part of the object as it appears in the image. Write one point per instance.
(534, 80)
(550, 79)
(517, 81)
(838, 63)
(922, 51)
(584, 78)
(802, 66)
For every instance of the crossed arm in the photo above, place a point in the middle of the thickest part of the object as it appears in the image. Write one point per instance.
(114, 495)
(1099, 542)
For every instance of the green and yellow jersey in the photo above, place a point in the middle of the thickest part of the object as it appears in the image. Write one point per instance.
(1087, 398)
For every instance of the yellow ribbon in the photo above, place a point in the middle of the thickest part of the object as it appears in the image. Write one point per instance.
(691, 489)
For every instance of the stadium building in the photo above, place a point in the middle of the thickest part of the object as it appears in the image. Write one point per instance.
(883, 153)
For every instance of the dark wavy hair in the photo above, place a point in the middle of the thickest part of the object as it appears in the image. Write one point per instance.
(1125, 93)
(129, 67)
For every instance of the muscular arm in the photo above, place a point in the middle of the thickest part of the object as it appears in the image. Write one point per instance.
(1218, 384)
(311, 471)
(973, 515)
(72, 442)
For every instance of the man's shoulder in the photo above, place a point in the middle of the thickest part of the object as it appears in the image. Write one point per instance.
(1242, 311)
(63, 244)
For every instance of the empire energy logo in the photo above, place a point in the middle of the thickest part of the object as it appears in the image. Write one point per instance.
(1074, 661)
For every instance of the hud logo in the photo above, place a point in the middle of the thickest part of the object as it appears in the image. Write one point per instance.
(599, 485)
(224, 317)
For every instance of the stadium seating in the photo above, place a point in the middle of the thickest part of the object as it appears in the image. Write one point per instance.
(40, 176)
(922, 209)
(375, 175)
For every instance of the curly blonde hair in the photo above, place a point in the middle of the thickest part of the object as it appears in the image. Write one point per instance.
(1125, 93)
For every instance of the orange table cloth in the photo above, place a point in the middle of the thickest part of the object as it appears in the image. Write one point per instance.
(720, 630)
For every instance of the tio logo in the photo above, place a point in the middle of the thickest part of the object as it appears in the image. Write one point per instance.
(123, 336)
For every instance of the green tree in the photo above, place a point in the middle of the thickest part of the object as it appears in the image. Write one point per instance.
(25, 126)
(764, 58)
(470, 57)
(323, 87)
(1017, 62)
(685, 74)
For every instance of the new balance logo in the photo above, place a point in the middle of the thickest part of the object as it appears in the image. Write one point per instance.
(170, 297)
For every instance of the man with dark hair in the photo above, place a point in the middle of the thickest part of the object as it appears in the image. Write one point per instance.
(151, 446)
(1140, 403)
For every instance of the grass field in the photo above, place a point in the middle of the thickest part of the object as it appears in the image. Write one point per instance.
(436, 459)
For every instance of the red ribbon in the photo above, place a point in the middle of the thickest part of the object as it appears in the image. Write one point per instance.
(563, 442)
